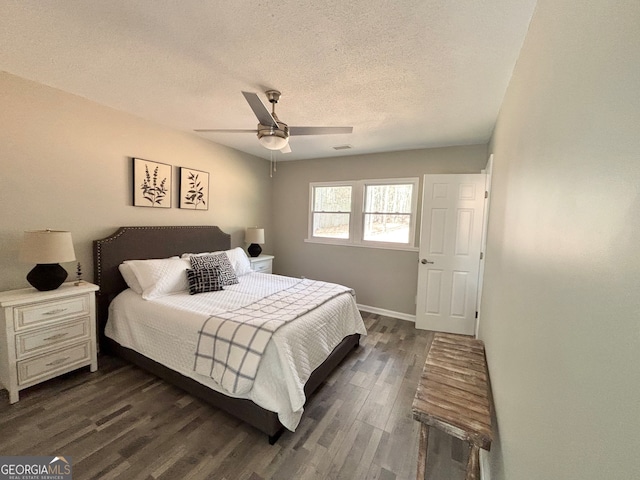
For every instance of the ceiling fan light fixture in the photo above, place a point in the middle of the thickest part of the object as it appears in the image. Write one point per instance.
(272, 138)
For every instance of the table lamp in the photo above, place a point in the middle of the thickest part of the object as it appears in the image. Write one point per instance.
(47, 249)
(254, 236)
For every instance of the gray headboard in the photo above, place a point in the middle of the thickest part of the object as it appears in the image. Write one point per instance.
(141, 243)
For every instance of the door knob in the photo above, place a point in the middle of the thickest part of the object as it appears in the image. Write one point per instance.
(424, 261)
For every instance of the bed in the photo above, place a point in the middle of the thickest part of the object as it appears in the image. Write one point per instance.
(256, 407)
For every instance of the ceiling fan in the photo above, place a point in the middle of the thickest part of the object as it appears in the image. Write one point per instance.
(273, 134)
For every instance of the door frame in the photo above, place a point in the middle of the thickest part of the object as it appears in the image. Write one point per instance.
(488, 170)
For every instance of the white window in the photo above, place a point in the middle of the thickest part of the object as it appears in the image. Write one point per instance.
(378, 213)
(388, 213)
(331, 211)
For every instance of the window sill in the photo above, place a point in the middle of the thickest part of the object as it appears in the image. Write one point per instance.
(386, 246)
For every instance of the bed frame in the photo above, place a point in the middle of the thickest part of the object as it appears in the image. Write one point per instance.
(130, 243)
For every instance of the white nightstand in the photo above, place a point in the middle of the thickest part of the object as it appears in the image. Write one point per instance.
(262, 263)
(46, 334)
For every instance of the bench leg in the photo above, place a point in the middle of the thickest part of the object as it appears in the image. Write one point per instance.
(422, 451)
(473, 465)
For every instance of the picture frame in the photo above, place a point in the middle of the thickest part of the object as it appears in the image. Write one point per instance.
(194, 189)
(151, 184)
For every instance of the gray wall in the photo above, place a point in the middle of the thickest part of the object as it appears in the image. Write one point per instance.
(65, 165)
(561, 305)
(385, 279)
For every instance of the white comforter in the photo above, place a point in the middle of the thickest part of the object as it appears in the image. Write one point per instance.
(166, 330)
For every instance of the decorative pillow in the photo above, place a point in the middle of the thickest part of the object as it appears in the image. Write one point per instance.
(160, 277)
(237, 257)
(204, 280)
(130, 278)
(220, 260)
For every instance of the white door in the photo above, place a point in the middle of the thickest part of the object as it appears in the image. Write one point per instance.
(450, 242)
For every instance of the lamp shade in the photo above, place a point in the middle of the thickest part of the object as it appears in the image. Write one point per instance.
(254, 235)
(47, 246)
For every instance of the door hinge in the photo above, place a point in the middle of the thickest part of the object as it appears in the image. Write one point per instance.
(486, 194)
(481, 255)
(476, 314)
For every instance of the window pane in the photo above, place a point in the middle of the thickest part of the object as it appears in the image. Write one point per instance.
(332, 199)
(389, 198)
(387, 228)
(331, 225)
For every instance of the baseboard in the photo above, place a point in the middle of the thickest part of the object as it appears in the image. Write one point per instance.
(388, 313)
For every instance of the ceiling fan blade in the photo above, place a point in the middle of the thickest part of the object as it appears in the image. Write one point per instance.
(286, 149)
(261, 112)
(319, 130)
(225, 130)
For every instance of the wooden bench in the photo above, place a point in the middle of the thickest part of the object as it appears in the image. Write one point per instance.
(453, 396)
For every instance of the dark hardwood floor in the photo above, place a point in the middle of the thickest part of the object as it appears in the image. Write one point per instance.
(121, 422)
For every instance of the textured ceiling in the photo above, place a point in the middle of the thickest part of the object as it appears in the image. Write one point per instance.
(405, 74)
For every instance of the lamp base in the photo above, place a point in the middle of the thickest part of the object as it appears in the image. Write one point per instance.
(47, 276)
(254, 250)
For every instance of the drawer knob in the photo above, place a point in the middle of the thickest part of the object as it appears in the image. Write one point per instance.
(54, 312)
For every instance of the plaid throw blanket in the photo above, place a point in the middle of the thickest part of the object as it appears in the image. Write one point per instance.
(231, 344)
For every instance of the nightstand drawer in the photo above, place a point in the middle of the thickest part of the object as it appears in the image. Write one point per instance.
(262, 263)
(40, 340)
(36, 368)
(29, 315)
(262, 267)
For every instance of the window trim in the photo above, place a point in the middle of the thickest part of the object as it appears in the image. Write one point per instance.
(357, 214)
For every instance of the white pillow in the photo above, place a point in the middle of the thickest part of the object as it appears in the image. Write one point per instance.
(159, 277)
(237, 256)
(240, 261)
(130, 278)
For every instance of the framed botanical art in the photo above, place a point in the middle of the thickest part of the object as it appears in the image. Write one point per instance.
(194, 189)
(151, 184)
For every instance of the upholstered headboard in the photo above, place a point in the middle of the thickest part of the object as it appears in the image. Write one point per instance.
(141, 243)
